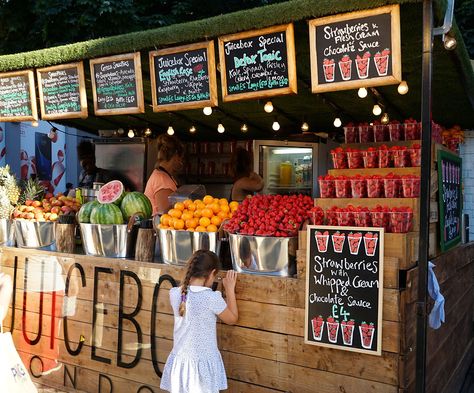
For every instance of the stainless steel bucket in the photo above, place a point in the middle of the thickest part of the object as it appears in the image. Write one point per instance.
(7, 233)
(275, 256)
(178, 246)
(34, 234)
(111, 241)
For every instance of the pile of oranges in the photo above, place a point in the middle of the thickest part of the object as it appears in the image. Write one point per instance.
(204, 215)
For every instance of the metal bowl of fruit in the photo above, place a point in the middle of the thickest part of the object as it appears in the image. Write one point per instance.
(34, 234)
(7, 233)
(108, 240)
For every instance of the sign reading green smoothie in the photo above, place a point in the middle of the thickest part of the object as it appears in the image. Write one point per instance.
(17, 96)
(344, 288)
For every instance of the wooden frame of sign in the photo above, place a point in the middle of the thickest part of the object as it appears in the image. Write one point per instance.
(140, 108)
(291, 63)
(31, 85)
(211, 70)
(357, 257)
(82, 92)
(396, 63)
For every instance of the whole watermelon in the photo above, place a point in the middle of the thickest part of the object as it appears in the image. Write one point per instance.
(84, 213)
(136, 202)
(107, 213)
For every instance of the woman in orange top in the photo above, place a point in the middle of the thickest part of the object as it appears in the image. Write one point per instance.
(162, 181)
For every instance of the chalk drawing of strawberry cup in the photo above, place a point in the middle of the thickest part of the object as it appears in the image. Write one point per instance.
(333, 328)
(347, 331)
(366, 331)
(328, 67)
(370, 243)
(318, 326)
(322, 239)
(381, 62)
(345, 66)
(338, 241)
(363, 64)
(354, 242)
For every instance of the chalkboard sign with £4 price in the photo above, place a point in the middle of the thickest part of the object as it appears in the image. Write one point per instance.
(358, 49)
(183, 77)
(117, 84)
(17, 96)
(258, 64)
(344, 288)
(449, 189)
(62, 91)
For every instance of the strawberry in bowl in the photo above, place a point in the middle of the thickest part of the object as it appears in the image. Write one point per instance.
(370, 158)
(339, 158)
(362, 217)
(316, 215)
(375, 186)
(384, 157)
(327, 188)
(359, 187)
(366, 133)
(350, 133)
(414, 153)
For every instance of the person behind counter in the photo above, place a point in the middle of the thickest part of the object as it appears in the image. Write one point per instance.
(90, 173)
(162, 181)
(246, 181)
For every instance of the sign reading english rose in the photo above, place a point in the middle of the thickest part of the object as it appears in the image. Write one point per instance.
(358, 49)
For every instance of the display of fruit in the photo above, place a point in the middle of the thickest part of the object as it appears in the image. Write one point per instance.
(31, 190)
(339, 158)
(135, 203)
(270, 215)
(370, 158)
(316, 215)
(112, 192)
(9, 192)
(204, 215)
(327, 188)
(84, 214)
(107, 213)
(354, 158)
(47, 209)
(395, 131)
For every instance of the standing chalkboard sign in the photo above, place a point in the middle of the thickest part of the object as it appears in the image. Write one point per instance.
(117, 84)
(358, 49)
(183, 77)
(17, 96)
(62, 91)
(344, 288)
(449, 199)
(259, 63)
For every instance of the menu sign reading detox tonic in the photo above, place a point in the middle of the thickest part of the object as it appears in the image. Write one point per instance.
(259, 63)
(62, 91)
(344, 287)
(117, 84)
(183, 77)
(17, 96)
(450, 209)
(359, 49)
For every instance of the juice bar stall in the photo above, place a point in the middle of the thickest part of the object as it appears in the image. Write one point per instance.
(326, 96)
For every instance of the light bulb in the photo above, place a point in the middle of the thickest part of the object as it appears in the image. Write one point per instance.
(120, 131)
(268, 107)
(207, 110)
(449, 42)
(244, 128)
(362, 92)
(337, 122)
(377, 110)
(402, 88)
(192, 129)
(130, 134)
(275, 126)
(385, 118)
(220, 128)
(147, 131)
(304, 127)
(170, 130)
(34, 123)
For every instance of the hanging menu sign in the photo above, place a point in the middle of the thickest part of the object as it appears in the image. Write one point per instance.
(259, 63)
(62, 91)
(117, 84)
(449, 189)
(17, 96)
(344, 288)
(183, 77)
(358, 49)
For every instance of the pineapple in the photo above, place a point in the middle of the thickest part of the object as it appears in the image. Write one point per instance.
(32, 191)
(9, 192)
(6, 208)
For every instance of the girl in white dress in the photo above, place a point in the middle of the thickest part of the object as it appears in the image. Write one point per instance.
(195, 363)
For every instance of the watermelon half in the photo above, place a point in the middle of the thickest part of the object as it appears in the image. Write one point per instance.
(84, 213)
(111, 192)
(106, 214)
(136, 202)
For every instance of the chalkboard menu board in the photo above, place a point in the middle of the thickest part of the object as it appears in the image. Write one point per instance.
(358, 49)
(450, 209)
(62, 91)
(117, 84)
(183, 77)
(344, 288)
(259, 63)
(17, 96)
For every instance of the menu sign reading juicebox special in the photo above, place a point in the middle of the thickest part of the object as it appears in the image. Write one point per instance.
(344, 287)
(359, 49)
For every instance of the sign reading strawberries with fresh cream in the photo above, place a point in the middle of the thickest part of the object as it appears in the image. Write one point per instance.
(344, 288)
(358, 49)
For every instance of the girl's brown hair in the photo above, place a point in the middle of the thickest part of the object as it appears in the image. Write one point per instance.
(168, 146)
(201, 264)
(241, 164)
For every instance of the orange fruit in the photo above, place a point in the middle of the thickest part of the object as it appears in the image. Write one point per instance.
(171, 222)
(216, 221)
(200, 229)
(204, 221)
(191, 223)
(223, 201)
(187, 215)
(234, 205)
(214, 207)
(225, 208)
(191, 230)
(198, 213)
(179, 206)
(208, 199)
(200, 205)
(216, 200)
(178, 224)
(165, 220)
(197, 201)
(175, 213)
(207, 212)
(222, 215)
(211, 228)
(191, 207)
(161, 226)
(187, 202)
